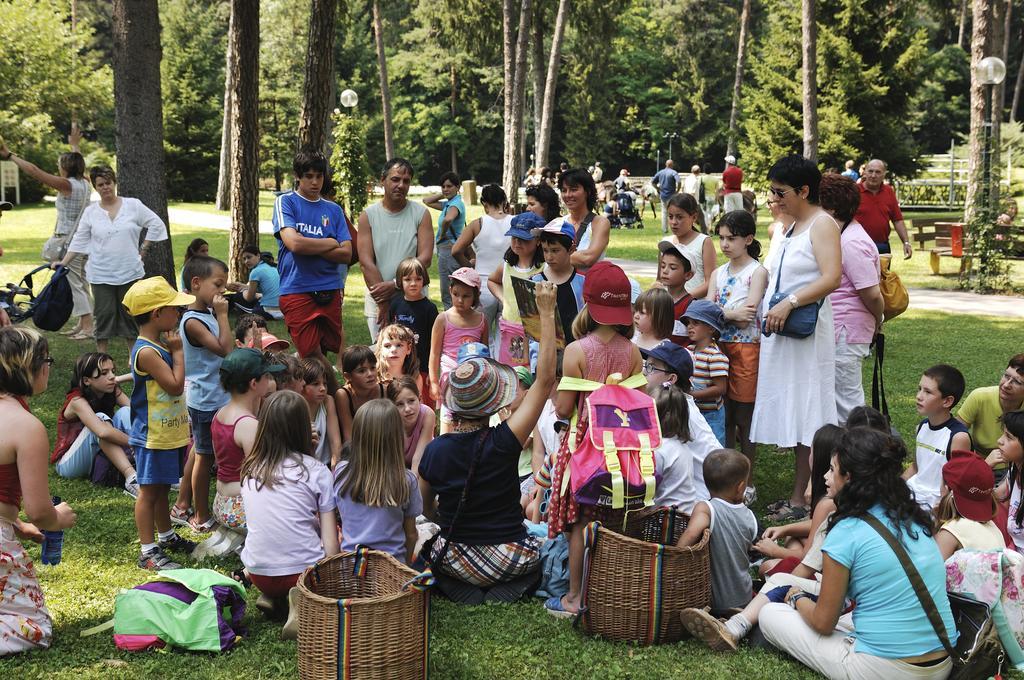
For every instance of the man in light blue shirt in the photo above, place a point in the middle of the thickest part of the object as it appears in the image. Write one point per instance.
(667, 182)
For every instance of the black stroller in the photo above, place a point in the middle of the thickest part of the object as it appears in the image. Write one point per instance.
(49, 310)
(626, 215)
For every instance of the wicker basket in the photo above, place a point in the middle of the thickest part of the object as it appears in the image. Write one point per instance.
(356, 621)
(636, 585)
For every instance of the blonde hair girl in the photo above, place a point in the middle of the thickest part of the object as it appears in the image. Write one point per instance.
(396, 354)
(377, 498)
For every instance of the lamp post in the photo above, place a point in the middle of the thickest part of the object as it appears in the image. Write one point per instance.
(670, 136)
(349, 99)
(990, 71)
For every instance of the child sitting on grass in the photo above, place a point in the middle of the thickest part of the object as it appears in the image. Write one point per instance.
(939, 434)
(378, 498)
(733, 529)
(322, 415)
(362, 384)
(963, 518)
(396, 354)
(289, 503)
(94, 420)
(674, 458)
(417, 419)
(160, 429)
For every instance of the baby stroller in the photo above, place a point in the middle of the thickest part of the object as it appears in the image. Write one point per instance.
(49, 310)
(626, 215)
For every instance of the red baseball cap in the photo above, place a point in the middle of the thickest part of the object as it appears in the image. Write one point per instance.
(971, 482)
(608, 295)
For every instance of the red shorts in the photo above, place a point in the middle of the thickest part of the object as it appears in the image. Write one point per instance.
(275, 586)
(314, 328)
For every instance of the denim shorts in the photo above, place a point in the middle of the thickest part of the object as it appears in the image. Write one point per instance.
(202, 438)
(159, 466)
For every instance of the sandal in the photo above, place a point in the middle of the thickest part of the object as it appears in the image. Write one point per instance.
(776, 506)
(553, 605)
(240, 576)
(788, 513)
(204, 528)
(183, 518)
(81, 335)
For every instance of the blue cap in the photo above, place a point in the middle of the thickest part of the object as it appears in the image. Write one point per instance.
(472, 350)
(523, 225)
(677, 358)
(707, 312)
(560, 226)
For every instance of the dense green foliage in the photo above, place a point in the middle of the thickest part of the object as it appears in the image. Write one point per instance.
(352, 174)
(890, 82)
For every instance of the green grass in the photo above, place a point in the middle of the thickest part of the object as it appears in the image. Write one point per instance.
(518, 641)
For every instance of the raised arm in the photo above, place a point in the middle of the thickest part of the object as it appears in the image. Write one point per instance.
(525, 418)
(57, 182)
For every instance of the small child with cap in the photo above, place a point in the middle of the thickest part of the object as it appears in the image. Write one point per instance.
(675, 269)
(704, 322)
(668, 364)
(964, 516)
(557, 243)
(453, 328)
(524, 259)
(160, 428)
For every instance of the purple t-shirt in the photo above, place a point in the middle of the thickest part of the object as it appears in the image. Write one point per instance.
(283, 520)
(860, 271)
(376, 528)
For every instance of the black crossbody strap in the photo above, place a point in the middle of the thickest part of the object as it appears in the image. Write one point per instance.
(477, 453)
(878, 400)
(925, 598)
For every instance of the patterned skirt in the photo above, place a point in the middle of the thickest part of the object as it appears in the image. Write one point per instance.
(25, 623)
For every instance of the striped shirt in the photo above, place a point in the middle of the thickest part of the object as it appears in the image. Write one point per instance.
(708, 364)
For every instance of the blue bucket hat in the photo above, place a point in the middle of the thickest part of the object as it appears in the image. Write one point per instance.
(523, 225)
(472, 350)
(707, 312)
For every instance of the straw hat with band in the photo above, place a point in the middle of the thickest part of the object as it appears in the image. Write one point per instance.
(479, 388)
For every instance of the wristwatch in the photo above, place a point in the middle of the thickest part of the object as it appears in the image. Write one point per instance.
(799, 596)
(793, 301)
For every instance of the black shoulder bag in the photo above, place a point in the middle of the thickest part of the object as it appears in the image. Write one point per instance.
(978, 652)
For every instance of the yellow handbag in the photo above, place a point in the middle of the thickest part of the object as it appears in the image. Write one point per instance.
(894, 294)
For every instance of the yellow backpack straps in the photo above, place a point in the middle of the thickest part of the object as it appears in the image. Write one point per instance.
(578, 384)
(611, 461)
(637, 381)
(647, 467)
(570, 442)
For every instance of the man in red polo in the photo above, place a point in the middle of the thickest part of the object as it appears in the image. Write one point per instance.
(878, 207)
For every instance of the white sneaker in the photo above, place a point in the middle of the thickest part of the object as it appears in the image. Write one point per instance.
(131, 487)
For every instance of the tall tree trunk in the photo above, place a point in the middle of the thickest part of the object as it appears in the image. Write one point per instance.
(315, 116)
(224, 173)
(1000, 26)
(451, 106)
(385, 94)
(550, 83)
(537, 82)
(980, 39)
(245, 39)
(1018, 84)
(508, 59)
(963, 24)
(741, 57)
(138, 106)
(514, 123)
(809, 27)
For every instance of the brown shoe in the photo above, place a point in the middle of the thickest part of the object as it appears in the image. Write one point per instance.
(290, 630)
(703, 626)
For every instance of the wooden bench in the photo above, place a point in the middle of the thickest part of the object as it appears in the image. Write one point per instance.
(928, 230)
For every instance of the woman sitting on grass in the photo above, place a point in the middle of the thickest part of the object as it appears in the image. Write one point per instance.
(24, 371)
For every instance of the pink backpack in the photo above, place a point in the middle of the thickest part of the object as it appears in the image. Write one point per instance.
(613, 465)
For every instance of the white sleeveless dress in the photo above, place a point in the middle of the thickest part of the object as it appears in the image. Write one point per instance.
(796, 377)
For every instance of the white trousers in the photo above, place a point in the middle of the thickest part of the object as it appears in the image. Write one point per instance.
(833, 655)
(849, 376)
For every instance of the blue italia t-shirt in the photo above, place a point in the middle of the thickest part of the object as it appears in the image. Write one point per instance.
(312, 219)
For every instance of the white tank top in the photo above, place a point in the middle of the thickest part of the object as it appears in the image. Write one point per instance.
(731, 292)
(491, 243)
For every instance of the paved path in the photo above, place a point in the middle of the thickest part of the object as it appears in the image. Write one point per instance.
(962, 302)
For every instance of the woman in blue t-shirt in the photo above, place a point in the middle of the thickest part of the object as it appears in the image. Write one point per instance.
(891, 636)
(263, 280)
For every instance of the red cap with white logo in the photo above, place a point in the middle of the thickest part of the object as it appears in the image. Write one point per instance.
(608, 295)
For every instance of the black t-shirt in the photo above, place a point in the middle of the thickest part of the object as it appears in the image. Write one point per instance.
(492, 514)
(418, 315)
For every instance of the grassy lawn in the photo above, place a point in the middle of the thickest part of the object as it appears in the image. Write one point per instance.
(518, 641)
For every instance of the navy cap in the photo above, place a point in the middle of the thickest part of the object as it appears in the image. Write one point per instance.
(523, 225)
(677, 358)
